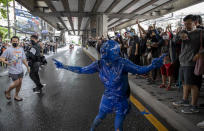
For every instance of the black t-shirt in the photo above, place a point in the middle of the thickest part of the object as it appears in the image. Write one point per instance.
(143, 45)
(133, 42)
(155, 51)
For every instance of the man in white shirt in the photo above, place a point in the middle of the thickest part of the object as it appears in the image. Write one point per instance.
(14, 57)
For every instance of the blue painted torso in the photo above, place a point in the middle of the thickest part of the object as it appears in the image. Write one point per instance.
(114, 78)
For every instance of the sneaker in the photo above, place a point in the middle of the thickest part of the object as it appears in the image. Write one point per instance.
(201, 124)
(190, 110)
(162, 86)
(36, 90)
(181, 103)
(43, 85)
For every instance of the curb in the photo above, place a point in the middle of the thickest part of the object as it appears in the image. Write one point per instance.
(175, 120)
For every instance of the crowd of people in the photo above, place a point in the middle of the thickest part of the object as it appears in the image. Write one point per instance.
(182, 48)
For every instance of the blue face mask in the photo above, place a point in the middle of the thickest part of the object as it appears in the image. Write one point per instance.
(131, 34)
(110, 50)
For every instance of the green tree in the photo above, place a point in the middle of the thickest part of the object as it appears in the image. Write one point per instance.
(3, 10)
(4, 32)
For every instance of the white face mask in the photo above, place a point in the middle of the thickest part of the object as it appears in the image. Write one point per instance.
(194, 28)
(165, 37)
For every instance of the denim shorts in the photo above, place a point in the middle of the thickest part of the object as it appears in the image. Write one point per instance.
(15, 77)
(188, 77)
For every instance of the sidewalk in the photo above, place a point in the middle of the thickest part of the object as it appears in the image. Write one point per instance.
(165, 109)
(161, 100)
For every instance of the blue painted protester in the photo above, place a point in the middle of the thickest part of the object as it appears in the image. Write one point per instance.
(113, 71)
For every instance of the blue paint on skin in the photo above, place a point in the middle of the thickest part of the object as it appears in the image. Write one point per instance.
(113, 72)
(145, 113)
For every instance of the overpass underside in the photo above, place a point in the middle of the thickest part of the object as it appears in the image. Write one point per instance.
(95, 17)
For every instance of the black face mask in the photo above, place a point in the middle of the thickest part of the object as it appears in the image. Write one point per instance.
(14, 44)
(32, 42)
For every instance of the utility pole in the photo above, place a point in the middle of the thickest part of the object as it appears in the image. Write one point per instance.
(14, 10)
(42, 28)
(8, 20)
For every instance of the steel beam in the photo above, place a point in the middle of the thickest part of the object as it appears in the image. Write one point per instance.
(171, 6)
(136, 10)
(50, 5)
(126, 7)
(94, 10)
(85, 14)
(144, 6)
(96, 5)
(112, 6)
(81, 6)
(66, 7)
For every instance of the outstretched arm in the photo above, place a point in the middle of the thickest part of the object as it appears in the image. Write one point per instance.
(90, 69)
(135, 69)
(140, 27)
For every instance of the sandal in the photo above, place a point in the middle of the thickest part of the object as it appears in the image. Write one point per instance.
(162, 86)
(21, 99)
(7, 97)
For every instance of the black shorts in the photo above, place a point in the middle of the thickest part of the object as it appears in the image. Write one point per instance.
(188, 77)
(15, 77)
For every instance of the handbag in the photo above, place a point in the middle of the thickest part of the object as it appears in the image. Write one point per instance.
(199, 67)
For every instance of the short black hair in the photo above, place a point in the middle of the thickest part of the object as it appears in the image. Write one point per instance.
(34, 36)
(189, 17)
(15, 37)
(198, 18)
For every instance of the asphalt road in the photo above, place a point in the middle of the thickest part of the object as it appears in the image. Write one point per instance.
(69, 101)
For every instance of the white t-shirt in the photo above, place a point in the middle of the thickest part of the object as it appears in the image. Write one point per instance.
(15, 56)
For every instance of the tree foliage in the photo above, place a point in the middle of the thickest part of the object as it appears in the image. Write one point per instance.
(3, 32)
(3, 10)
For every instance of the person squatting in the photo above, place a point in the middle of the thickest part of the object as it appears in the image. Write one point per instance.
(113, 72)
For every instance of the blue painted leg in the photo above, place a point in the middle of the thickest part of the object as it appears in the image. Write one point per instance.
(119, 122)
(97, 120)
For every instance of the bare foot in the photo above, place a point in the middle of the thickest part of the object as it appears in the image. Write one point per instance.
(7, 95)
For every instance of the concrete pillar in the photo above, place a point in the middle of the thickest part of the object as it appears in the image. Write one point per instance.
(99, 26)
(102, 25)
(93, 26)
(85, 37)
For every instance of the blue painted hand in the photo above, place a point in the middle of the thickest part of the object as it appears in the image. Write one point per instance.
(58, 63)
(158, 62)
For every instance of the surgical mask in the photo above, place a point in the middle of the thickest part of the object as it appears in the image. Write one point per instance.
(165, 37)
(15, 44)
